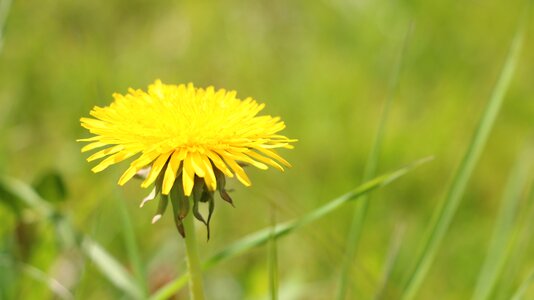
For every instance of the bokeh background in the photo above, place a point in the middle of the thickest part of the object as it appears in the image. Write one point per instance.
(324, 67)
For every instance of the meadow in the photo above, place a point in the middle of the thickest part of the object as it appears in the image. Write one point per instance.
(367, 87)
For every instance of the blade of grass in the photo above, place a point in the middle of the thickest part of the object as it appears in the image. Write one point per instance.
(273, 260)
(360, 208)
(108, 265)
(391, 258)
(55, 287)
(132, 247)
(520, 293)
(442, 219)
(5, 5)
(263, 236)
(502, 234)
(523, 231)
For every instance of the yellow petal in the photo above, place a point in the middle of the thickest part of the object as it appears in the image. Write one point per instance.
(105, 152)
(113, 159)
(127, 175)
(210, 179)
(93, 123)
(136, 165)
(273, 154)
(156, 169)
(243, 157)
(219, 163)
(172, 171)
(91, 139)
(188, 176)
(92, 146)
(239, 172)
(196, 163)
(264, 159)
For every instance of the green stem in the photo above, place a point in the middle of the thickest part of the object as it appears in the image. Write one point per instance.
(196, 287)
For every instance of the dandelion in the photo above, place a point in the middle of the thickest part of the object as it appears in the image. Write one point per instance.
(188, 140)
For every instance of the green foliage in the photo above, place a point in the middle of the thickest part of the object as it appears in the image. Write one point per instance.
(447, 210)
(268, 234)
(50, 186)
(107, 264)
(325, 67)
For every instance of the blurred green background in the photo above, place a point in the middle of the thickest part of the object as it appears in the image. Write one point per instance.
(324, 67)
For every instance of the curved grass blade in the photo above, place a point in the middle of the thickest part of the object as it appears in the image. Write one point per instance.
(263, 236)
(442, 219)
(132, 247)
(112, 269)
(502, 235)
(360, 209)
(109, 266)
(55, 287)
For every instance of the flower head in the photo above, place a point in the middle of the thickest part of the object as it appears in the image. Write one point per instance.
(191, 138)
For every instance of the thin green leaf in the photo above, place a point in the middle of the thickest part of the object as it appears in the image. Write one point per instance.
(391, 258)
(110, 268)
(273, 261)
(170, 288)
(262, 236)
(55, 287)
(442, 219)
(502, 234)
(132, 247)
(523, 232)
(520, 293)
(114, 271)
(360, 208)
(5, 5)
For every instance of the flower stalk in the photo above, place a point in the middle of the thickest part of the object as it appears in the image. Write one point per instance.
(196, 287)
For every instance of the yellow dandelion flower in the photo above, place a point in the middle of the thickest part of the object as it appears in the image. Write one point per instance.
(189, 137)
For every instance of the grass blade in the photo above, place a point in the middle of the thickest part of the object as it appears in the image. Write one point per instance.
(132, 247)
(5, 5)
(391, 258)
(502, 234)
(360, 208)
(273, 260)
(443, 218)
(523, 232)
(113, 270)
(109, 267)
(55, 287)
(263, 236)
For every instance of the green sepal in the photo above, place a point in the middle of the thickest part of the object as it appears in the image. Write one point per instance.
(211, 208)
(221, 183)
(198, 190)
(162, 207)
(179, 202)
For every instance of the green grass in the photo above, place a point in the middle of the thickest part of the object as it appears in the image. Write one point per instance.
(360, 209)
(502, 237)
(446, 212)
(328, 68)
